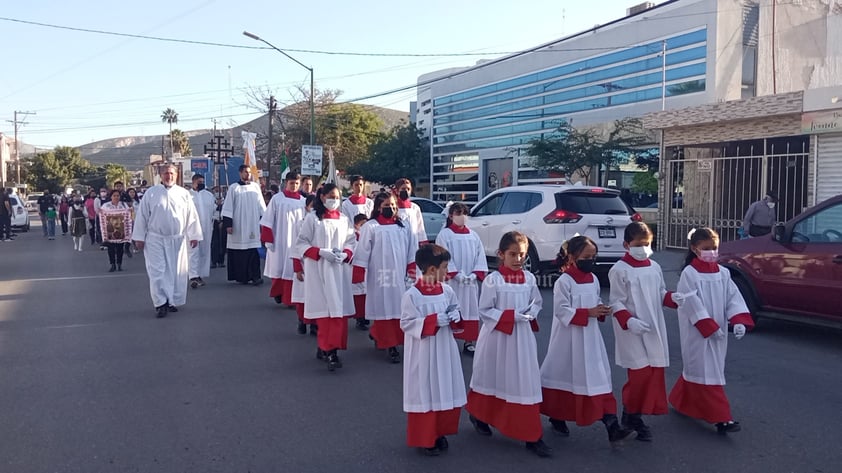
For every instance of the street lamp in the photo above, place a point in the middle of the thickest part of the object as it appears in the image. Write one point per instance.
(312, 104)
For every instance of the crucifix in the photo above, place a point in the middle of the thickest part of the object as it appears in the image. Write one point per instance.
(220, 150)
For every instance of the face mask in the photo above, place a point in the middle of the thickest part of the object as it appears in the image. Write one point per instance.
(709, 256)
(460, 220)
(771, 205)
(585, 265)
(404, 195)
(332, 204)
(640, 253)
(200, 187)
(388, 212)
(103, 194)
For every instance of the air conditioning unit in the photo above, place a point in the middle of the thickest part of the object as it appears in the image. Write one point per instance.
(640, 8)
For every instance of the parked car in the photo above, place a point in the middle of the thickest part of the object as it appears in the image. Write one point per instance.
(795, 273)
(433, 214)
(20, 217)
(551, 214)
(32, 202)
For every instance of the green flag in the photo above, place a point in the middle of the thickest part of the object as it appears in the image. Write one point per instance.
(284, 164)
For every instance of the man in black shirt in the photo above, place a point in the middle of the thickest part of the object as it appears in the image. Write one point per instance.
(45, 202)
(5, 215)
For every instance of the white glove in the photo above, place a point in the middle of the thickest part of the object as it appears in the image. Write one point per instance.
(739, 331)
(270, 246)
(718, 334)
(472, 277)
(442, 319)
(326, 254)
(637, 326)
(454, 316)
(408, 282)
(680, 297)
(519, 317)
(339, 258)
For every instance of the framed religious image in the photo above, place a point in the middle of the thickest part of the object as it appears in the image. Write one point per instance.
(116, 225)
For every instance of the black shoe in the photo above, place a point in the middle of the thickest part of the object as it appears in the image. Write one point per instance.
(302, 328)
(431, 452)
(362, 325)
(617, 433)
(635, 422)
(113, 268)
(333, 361)
(119, 267)
(726, 427)
(539, 448)
(560, 427)
(279, 300)
(481, 427)
(257, 282)
(469, 348)
(314, 330)
(194, 283)
(161, 311)
(321, 355)
(172, 308)
(201, 282)
(441, 443)
(394, 355)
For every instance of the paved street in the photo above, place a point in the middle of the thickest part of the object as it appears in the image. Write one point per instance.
(91, 382)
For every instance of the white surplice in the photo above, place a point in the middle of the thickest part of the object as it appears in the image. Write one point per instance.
(244, 205)
(166, 220)
(282, 215)
(466, 256)
(351, 210)
(200, 261)
(327, 285)
(432, 367)
(384, 251)
(576, 359)
(412, 217)
(506, 366)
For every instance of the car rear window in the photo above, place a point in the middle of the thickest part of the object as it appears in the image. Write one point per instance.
(13, 201)
(591, 203)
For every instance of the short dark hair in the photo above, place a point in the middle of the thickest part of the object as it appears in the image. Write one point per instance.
(357, 178)
(360, 218)
(274, 188)
(118, 182)
(772, 195)
(431, 255)
(242, 166)
(292, 175)
(196, 177)
(636, 230)
(306, 178)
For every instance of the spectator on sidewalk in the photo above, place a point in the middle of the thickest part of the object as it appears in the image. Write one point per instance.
(5, 215)
(761, 216)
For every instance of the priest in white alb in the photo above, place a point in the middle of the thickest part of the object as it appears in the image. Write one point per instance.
(278, 233)
(200, 257)
(241, 213)
(166, 220)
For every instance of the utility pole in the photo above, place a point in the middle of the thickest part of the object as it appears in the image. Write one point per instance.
(664, 75)
(272, 105)
(17, 124)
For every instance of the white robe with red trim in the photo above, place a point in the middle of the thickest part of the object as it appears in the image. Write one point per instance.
(506, 366)
(432, 367)
(351, 210)
(278, 226)
(297, 295)
(413, 218)
(719, 299)
(327, 287)
(576, 359)
(384, 251)
(466, 256)
(640, 291)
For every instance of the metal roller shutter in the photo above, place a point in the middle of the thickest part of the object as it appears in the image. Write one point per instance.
(829, 167)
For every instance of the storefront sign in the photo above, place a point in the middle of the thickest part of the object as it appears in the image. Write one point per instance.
(821, 122)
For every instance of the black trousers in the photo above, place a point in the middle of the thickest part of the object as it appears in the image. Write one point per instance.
(219, 241)
(63, 218)
(93, 230)
(115, 253)
(5, 226)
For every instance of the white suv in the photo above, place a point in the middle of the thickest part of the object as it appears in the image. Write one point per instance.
(551, 214)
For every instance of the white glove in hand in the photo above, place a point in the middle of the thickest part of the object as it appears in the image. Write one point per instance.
(520, 317)
(637, 326)
(454, 316)
(739, 331)
(718, 334)
(339, 258)
(270, 246)
(326, 254)
(472, 277)
(408, 282)
(459, 277)
(680, 297)
(442, 319)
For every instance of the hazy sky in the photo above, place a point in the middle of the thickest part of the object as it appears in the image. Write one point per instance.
(85, 87)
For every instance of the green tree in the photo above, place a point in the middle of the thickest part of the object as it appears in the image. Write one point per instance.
(351, 129)
(71, 159)
(181, 143)
(115, 172)
(645, 183)
(46, 172)
(400, 153)
(169, 116)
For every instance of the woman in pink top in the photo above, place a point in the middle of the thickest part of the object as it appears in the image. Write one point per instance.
(91, 214)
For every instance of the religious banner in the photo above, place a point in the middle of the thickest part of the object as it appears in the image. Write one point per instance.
(116, 225)
(249, 158)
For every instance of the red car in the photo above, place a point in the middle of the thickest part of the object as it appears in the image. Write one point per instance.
(796, 272)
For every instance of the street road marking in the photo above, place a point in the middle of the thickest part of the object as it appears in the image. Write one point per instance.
(74, 278)
(73, 325)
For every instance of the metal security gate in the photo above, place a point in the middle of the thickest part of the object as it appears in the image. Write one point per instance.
(714, 186)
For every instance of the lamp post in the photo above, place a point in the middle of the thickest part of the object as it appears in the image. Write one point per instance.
(312, 103)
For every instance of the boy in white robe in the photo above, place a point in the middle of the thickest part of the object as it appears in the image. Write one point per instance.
(200, 257)
(409, 211)
(433, 384)
(241, 213)
(297, 293)
(357, 203)
(277, 232)
(358, 289)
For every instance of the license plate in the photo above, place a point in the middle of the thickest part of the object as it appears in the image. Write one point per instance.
(607, 232)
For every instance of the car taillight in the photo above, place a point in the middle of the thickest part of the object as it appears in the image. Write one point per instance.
(562, 216)
(636, 217)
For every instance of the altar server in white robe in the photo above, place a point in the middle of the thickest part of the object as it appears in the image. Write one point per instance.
(385, 260)
(506, 382)
(433, 384)
(409, 211)
(241, 213)
(708, 300)
(638, 295)
(297, 297)
(357, 203)
(576, 374)
(200, 257)
(166, 223)
(277, 231)
(466, 271)
(327, 244)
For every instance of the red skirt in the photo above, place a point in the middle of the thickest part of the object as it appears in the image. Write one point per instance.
(424, 428)
(470, 331)
(646, 392)
(333, 333)
(518, 421)
(700, 401)
(584, 410)
(283, 288)
(387, 333)
(359, 306)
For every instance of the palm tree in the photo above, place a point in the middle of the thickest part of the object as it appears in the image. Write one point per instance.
(169, 116)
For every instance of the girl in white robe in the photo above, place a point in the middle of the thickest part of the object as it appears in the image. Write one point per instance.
(466, 270)
(506, 382)
(708, 300)
(576, 374)
(327, 242)
(433, 384)
(297, 292)
(385, 260)
(409, 211)
(638, 294)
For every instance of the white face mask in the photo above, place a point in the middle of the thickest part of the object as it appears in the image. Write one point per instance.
(640, 253)
(332, 204)
(459, 220)
(771, 205)
(709, 256)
